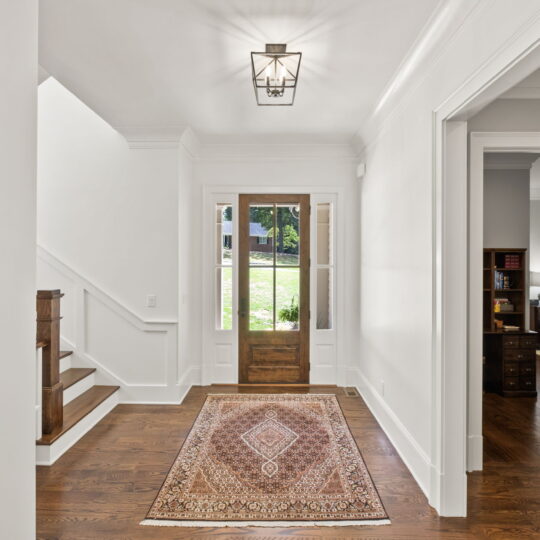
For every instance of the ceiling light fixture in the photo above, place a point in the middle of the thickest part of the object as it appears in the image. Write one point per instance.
(275, 74)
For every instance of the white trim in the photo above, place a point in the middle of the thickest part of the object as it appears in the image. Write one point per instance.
(353, 523)
(416, 460)
(75, 390)
(535, 193)
(151, 137)
(169, 391)
(48, 454)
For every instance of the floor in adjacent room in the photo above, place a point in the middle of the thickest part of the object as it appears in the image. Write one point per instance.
(103, 487)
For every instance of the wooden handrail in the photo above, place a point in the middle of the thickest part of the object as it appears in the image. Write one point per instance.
(48, 331)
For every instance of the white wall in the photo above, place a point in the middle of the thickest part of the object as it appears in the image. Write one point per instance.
(18, 64)
(234, 169)
(396, 330)
(108, 220)
(534, 254)
(107, 210)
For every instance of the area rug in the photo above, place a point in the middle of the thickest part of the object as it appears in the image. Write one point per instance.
(273, 460)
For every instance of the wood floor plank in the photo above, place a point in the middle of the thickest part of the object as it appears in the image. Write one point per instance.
(103, 487)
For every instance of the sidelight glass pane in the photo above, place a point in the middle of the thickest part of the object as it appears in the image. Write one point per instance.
(288, 235)
(261, 298)
(323, 233)
(223, 298)
(224, 234)
(287, 298)
(261, 242)
(324, 299)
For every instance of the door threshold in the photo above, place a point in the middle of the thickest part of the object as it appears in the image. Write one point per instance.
(291, 385)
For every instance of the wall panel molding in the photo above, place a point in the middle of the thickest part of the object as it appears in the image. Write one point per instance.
(146, 346)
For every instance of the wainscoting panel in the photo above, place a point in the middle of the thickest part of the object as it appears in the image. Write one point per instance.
(138, 355)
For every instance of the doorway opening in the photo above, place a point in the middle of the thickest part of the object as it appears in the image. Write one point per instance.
(274, 290)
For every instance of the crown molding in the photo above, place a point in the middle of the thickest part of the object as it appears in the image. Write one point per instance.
(190, 143)
(152, 137)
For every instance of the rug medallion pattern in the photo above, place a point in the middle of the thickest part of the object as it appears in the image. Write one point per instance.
(269, 457)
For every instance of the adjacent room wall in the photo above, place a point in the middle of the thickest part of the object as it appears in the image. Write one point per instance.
(506, 209)
(534, 254)
(507, 214)
(18, 65)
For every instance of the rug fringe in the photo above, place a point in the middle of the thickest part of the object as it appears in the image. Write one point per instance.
(174, 523)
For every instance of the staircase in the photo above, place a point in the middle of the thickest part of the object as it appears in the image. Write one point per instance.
(71, 402)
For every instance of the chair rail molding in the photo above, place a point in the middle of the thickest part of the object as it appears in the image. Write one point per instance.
(142, 358)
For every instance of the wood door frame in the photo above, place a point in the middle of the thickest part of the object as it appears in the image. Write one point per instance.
(303, 334)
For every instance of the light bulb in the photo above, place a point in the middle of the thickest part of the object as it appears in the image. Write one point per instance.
(283, 74)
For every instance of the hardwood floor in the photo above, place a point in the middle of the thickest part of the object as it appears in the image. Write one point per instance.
(103, 487)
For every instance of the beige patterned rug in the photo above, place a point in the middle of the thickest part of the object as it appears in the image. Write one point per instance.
(268, 460)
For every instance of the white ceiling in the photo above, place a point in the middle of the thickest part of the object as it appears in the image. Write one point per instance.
(180, 62)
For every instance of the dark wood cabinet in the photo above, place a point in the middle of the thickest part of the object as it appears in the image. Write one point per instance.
(510, 363)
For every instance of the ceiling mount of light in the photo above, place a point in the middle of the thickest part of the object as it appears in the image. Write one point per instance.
(275, 74)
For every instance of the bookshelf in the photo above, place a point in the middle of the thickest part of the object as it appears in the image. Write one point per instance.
(504, 283)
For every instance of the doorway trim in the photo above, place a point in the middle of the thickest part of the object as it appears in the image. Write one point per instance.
(449, 443)
(225, 343)
(480, 143)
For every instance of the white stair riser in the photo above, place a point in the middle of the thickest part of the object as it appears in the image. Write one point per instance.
(75, 390)
(65, 363)
(47, 455)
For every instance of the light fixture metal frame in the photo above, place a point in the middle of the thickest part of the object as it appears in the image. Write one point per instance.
(273, 52)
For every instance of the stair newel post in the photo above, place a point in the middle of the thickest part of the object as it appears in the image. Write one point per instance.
(48, 330)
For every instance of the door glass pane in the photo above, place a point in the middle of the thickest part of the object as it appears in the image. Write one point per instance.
(224, 298)
(323, 233)
(288, 235)
(224, 234)
(287, 298)
(261, 298)
(261, 241)
(324, 299)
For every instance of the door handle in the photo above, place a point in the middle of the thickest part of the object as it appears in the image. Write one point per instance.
(243, 307)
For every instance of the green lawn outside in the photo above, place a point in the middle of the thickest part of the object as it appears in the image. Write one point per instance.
(261, 285)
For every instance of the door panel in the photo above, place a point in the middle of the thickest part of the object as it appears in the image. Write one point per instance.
(274, 289)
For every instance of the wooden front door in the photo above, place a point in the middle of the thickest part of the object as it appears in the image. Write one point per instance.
(274, 289)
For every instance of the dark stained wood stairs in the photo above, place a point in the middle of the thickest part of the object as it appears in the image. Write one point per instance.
(67, 416)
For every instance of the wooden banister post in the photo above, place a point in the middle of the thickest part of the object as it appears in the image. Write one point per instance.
(48, 331)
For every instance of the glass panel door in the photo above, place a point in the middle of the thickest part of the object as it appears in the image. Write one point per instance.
(273, 324)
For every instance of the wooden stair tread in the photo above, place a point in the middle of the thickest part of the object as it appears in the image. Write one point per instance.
(73, 375)
(63, 354)
(77, 409)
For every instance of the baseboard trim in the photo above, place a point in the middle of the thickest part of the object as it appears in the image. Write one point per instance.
(475, 453)
(416, 460)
